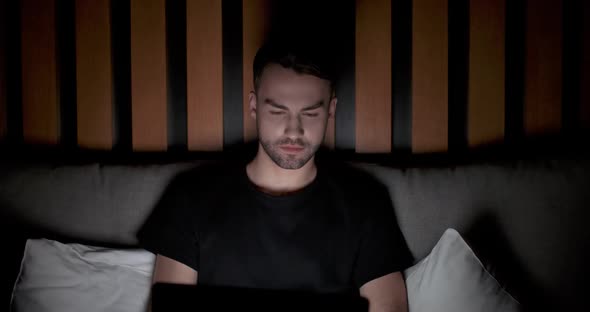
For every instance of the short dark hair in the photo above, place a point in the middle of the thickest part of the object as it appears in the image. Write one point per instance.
(302, 57)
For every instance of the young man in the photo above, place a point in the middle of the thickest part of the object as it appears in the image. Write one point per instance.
(284, 220)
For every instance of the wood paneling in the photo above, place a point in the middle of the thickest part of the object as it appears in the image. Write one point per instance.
(430, 76)
(94, 74)
(373, 76)
(39, 75)
(374, 46)
(204, 75)
(543, 67)
(256, 22)
(148, 75)
(486, 72)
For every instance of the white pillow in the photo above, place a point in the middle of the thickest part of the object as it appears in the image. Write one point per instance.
(75, 277)
(451, 278)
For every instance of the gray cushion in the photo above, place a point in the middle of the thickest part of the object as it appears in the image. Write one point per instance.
(91, 202)
(538, 208)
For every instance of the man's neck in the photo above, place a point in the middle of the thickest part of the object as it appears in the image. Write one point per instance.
(272, 179)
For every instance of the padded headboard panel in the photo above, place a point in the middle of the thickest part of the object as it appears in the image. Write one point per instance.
(529, 216)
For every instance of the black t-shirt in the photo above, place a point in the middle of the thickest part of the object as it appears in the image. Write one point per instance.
(334, 235)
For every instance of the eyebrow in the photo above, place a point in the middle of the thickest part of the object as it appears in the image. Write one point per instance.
(280, 106)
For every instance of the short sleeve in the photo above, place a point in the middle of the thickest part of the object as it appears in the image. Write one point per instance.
(171, 229)
(382, 248)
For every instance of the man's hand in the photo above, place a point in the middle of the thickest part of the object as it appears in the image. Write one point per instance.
(386, 294)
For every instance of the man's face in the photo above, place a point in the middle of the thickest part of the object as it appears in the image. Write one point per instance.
(291, 112)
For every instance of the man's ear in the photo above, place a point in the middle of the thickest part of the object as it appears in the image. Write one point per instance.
(332, 107)
(252, 104)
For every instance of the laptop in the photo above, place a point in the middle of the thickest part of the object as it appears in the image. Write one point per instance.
(177, 297)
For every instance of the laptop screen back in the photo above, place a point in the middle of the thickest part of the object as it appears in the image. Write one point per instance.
(176, 297)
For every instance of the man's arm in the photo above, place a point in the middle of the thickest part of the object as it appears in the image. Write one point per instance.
(168, 270)
(386, 294)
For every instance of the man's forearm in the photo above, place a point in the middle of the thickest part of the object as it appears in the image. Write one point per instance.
(386, 294)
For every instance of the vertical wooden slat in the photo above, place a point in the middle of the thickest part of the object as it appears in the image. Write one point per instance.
(401, 76)
(486, 72)
(3, 68)
(256, 21)
(571, 65)
(176, 75)
(204, 75)
(148, 75)
(2, 101)
(39, 76)
(585, 69)
(2, 108)
(458, 65)
(329, 139)
(121, 63)
(341, 27)
(94, 74)
(543, 67)
(233, 56)
(430, 76)
(373, 76)
(14, 116)
(66, 64)
(515, 71)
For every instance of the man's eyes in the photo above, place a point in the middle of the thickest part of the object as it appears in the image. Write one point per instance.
(282, 112)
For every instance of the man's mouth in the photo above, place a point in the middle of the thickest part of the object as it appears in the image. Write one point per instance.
(291, 148)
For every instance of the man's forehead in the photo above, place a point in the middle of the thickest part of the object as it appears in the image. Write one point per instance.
(280, 84)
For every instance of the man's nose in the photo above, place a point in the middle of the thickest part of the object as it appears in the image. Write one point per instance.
(294, 126)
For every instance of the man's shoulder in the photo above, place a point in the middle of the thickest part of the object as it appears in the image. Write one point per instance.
(204, 177)
(350, 177)
(357, 192)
